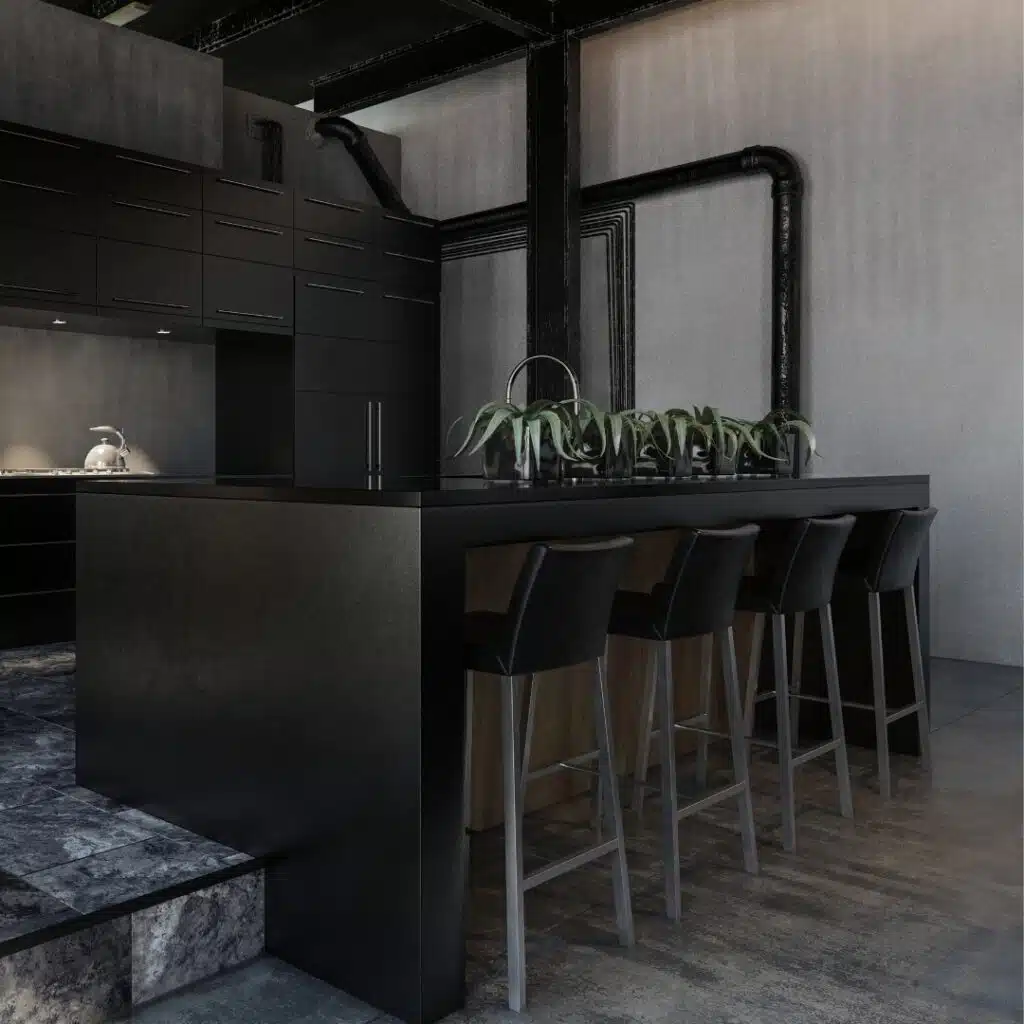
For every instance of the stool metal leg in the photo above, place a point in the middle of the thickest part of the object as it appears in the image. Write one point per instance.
(917, 667)
(796, 668)
(515, 914)
(740, 764)
(835, 710)
(753, 672)
(669, 790)
(611, 807)
(787, 770)
(643, 739)
(707, 646)
(878, 687)
(529, 711)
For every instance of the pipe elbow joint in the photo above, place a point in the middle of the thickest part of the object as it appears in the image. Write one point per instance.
(779, 164)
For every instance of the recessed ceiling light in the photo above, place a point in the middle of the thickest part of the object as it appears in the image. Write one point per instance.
(126, 13)
(60, 323)
(163, 331)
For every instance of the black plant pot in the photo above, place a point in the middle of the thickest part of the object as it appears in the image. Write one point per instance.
(500, 457)
(778, 460)
(678, 464)
(501, 463)
(722, 461)
(620, 464)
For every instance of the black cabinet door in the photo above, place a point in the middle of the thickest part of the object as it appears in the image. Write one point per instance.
(137, 176)
(241, 239)
(411, 236)
(404, 317)
(333, 437)
(343, 257)
(144, 278)
(355, 366)
(337, 217)
(256, 294)
(406, 436)
(46, 268)
(261, 201)
(338, 307)
(412, 276)
(142, 220)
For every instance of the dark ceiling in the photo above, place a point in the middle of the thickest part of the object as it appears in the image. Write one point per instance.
(351, 53)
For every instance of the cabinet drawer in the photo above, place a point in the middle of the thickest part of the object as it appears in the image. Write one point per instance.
(43, 160)
(353, 366)
(251, 293)
(141, 220)
(240, 239)
(48, 268)
(261, 201)
(337, 217)
(144, 278)
(407, 318)
(152, 178)
(24, 200)
(339, 307)
(411, 236)
(418, 276)
(333, 437)
(345, 257)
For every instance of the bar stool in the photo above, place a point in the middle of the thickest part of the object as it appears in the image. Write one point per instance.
(557, 618)
(697, 598)
(800, 581)
(892, 554)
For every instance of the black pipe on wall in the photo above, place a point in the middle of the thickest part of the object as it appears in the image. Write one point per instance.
(387, 192)
(787, 229)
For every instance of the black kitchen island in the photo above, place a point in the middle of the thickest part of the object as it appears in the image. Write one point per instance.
(281, 670)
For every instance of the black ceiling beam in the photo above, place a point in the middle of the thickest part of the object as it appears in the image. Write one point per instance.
(244, 22)
(528, 19)
(589, 16)
(412, 68)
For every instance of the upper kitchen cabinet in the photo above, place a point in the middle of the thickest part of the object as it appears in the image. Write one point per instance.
(136, 176)
(46, 181)
(325, 214)
(51, 269)
(148, 279)
(261, 201)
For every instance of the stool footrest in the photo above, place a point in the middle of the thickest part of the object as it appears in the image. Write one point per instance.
(570, 764)
(815, 699)
(716, 797)
(910, 709)
(577, 860)
(704, 732)
(810, 755)
(766, 695)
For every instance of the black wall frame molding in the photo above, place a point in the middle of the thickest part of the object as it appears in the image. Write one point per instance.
(488, 227)
(505, 231)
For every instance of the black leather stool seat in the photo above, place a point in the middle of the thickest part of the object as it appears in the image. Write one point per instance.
(633, 614)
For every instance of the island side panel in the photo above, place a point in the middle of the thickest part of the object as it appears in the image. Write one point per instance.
(251, 670)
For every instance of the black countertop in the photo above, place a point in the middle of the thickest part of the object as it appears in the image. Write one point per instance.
(457, 491)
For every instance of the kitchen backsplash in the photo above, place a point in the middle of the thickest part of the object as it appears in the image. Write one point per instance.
(55, 385)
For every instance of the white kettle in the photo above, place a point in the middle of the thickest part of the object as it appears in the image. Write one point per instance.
(105, 455)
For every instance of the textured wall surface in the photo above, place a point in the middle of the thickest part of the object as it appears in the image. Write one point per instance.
(906, 115)
(72, 74)
(54, 386)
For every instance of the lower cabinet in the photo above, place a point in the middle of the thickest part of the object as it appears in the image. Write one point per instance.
(149, 279)
(257, 295)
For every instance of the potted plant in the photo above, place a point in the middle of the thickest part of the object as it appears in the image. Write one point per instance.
(778, 435)
(613, 439)
(531, 442)
(673, 435)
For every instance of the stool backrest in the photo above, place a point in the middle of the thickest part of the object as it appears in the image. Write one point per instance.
(698, 594)
(805, 574)
(559, 612)
(894, 555)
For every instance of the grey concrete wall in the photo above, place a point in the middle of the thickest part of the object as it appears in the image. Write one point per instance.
(320, 169)
(907, 117)
(54, 386)
(71, 74)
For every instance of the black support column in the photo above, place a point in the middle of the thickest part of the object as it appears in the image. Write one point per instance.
(553, 217)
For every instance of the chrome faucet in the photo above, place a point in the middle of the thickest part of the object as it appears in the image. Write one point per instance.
(574, 381)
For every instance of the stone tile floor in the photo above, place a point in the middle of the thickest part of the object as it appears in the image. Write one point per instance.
(910, 915)
(64, 850)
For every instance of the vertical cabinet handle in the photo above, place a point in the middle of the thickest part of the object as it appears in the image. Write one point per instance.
(369, 438)
(380, 434)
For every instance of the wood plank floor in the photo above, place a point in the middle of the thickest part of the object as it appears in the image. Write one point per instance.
(910, 915)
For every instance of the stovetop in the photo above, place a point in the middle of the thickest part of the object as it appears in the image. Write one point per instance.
(65, 471)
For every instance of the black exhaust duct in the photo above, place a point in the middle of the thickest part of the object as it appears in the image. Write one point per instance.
(334, 127)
